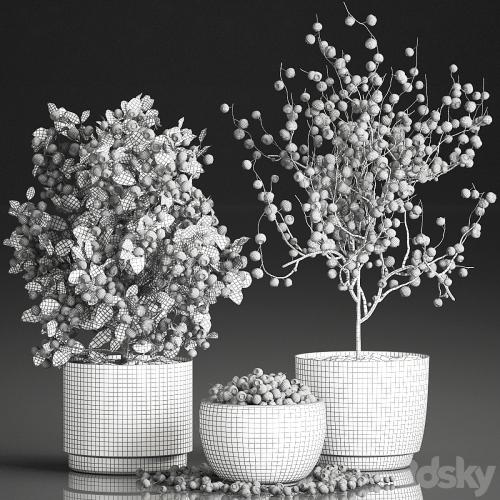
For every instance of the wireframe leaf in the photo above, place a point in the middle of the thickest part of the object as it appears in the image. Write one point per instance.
(120, 332)
(114, 345)
(85, 116)
(29, 316)
(103, 314)
(63, 247)
(101, 339)
(38, 359)
(61, 356)
(49, 306)
(53, 109)
(74, 276)
(142, 346)
(51, 328)
(76, 347)
(202, 151)
(125, 178)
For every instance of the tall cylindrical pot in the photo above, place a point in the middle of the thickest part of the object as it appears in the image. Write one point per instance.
(376, 405)
(118, 418)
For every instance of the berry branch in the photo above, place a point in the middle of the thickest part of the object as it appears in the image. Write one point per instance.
(358, 154)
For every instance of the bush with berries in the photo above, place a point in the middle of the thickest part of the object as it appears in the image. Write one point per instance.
(359, 144)
(122, 252)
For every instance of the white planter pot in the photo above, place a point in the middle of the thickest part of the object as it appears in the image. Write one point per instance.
(262, 443)
(118, 418)
(375, 409)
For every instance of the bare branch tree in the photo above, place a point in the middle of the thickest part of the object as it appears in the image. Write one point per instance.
(358, 152)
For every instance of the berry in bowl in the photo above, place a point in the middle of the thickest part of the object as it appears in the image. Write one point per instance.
(262, 427)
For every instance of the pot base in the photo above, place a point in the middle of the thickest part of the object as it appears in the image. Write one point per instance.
(123, 465)
(370, 463)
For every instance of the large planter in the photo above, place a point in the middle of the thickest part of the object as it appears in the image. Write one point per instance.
(269, 444)
(118, 418)
(375, 408)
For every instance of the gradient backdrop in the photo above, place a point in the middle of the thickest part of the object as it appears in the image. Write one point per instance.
(191, 56)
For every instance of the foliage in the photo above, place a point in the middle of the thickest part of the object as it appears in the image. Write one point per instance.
(123, 250)
(359, 146)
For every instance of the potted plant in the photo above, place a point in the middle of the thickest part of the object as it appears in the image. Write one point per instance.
(360, 146)
(124, 255)
(262, 427)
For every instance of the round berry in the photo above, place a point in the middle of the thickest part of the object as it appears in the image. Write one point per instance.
(260, 239)
(310, 39)
(349, 21)
(490, 197)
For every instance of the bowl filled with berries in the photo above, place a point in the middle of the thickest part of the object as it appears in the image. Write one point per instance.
(262, 427)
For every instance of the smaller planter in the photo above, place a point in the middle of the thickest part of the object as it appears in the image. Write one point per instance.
(269, 444)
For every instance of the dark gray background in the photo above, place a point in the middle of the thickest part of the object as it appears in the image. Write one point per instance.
(191, 56)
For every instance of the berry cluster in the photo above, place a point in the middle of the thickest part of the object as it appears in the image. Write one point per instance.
(258, 388)
(121, 243)
(324, 480)
(359, 145)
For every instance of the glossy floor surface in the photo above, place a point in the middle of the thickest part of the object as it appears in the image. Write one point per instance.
(49, 479)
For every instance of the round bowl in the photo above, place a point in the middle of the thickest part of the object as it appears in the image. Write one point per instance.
(269, 444)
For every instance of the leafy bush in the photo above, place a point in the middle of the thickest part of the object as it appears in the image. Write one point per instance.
(123, 250)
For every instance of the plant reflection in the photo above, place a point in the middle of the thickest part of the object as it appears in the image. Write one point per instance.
(92, 487)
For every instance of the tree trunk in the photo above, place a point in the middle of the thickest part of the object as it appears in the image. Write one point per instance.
(358, 316)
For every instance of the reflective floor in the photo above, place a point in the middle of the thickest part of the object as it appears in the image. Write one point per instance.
(85, 487)
(49, 479)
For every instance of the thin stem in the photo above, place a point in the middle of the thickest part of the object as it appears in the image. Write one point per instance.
(358, 315)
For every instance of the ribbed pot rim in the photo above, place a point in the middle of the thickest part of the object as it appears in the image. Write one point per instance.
(180, 361)
(204, 402)
(397, 357)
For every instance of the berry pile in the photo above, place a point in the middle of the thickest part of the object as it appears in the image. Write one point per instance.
(323, 480)
(121, 242)
(259, 388)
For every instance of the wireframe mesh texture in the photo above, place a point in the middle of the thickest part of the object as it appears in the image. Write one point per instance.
(262, 443)
(118, 418)
(102, 487)
(102, 483)
(122, 465)
(84, 495)
(375, 409)
(369, 463)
